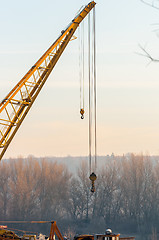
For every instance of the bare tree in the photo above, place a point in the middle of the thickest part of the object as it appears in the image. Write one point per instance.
(74, 205)
(127, 194)
(24, 188)
(107, 191)
(5, 173)
(54, 183)
(132, 187)
(85, 188)
(154, 234)
(80, 195)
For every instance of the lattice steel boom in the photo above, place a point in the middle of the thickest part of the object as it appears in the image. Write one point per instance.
(16, 105)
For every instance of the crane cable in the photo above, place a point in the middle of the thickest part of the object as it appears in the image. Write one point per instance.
(81, 69)
(92, 96)
(95, 90)
(92, 90)
(90, 108)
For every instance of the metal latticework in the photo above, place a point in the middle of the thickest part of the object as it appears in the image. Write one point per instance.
(17, 103)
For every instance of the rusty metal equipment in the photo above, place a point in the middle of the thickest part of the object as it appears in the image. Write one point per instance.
(55, 230)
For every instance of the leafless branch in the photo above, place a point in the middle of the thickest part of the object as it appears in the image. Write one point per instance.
(152, 4)
(147, 55)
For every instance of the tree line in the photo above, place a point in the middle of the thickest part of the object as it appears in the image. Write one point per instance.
(126, 197)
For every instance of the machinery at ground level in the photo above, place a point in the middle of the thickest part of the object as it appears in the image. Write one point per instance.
(6, 234)
(106, 236)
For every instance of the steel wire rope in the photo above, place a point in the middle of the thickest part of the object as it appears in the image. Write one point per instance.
(83, 49)
(95, 90)
(92, 92)
(25, 221)
(80, 69)
(92, 85)
(90, 109)
(92, 100)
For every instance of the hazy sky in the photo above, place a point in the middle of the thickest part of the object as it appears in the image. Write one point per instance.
(128, 88)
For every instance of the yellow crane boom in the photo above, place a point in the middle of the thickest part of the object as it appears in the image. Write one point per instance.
(15, 106)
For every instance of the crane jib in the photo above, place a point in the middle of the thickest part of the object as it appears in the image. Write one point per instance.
(15, 106)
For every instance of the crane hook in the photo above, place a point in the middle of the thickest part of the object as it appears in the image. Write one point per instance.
(93, 177)
(82, 113)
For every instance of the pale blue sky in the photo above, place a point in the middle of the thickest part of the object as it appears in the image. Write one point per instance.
(128, 99)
